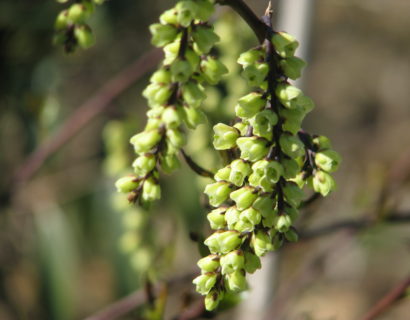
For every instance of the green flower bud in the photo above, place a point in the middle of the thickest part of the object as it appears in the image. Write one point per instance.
(161, 76)
(194, 117)
(251, 216)
(209, 263)
(78, 13)
(144, 164)
(126, 184)
(283, 223)
(292, 67)
(292, 212)
(84, 36)
(291, 235)
(277, 242)
(263, 123)
(250, 57)
(204, 38)
(252, 148)
(212, 299)
(244, 197)
(290, 168)
(322, 143)
(223, 241)
(232, 216)
(225, 136)
(176, 138)
(239, 171)
(236, 281)
(205, 282)
(145, 141)
(252, 262)
(256, 74)
(216, 218)
(232, 261)
(205, 10)
(323, 183)
(213, 70)
(261, 243)
(153, 122)
(193, 93)
(305, 103)
(217, 192)
(62, 20)
(186, 12)
(250, 105)
(299, 179)
(284, 44)
(288, 95)
(151, 190)
(293, 194)
(328, 160)
(162, 34)
(293, 119)
(265, 205)
(169, 163)
(242, 127)
(157, 94)
(169, 17)
(172, 117)
(171, 52)
(265, 174)
(181, 70)
(193, 58)
(291, 145)
(223, 174)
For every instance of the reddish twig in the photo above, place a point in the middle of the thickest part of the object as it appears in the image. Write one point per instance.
(86, 113)
(388, 300)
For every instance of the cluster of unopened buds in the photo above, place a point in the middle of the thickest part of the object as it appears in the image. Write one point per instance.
(72, 30)
(258, 195)
(174, 95)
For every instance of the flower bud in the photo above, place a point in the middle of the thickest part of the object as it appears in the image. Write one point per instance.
(172, 117)
(252, 262)
(292, 67)
(84, 36)
(193, 58)
(251, 57)
(255, 75)
(242, 127)
(78, 13)
(162, 34)
(322, 143)
(204, 38)
(288, 95)
(205, 282)
(193, 93)
(169, 163)
(223, 241)
(209, 263)
(126, 184)
(223, 174)
(240, 169)
(250, 105)
(293, 119)
(283, 223)
(171, 52)
(293, 194)
(176, 138)
(251, 216)
(161, 76)
(261, 243)
(328, 160)
(145, 141)
(232, 261)
(216, 218)
(263, 123)
(291, 235)
(186, 11)
(277, 241)
(194, 117)
(213, 70)
(225, 136)
(252, 148)
(217, 192)
(244, 197)
(265, 205)
(154, 122)
(144, 164)
(305, 103)
(232, 216)
(151, 190)
(212, 299)
(236, 281)
(205, 9)
(62, 20)
(284, 44)
(291, 145)
(323, 183)
(181, 70)
(157, 94)
(290, 168)
(265, 174)
(169, 17)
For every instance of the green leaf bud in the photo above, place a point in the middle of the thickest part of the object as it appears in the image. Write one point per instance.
(145, 141)
(176, 138)
(293, 194)
(212, 299)
(328, 160)
(291, 235)
(251, 215)
(232, 216)
(265, 205)
(217, 192)
(250, 105)
(291, 145)
(209, 263)
(285, 44)
(261, 243)
(232, 261)
(205, 282)
(255, 75)
(213, 70)
(204, 38)
(216, 218)
(252, 262)
(322, 143)
(288, 95)
(193, 93)
(78, 13)
(263, 123)
(244, 197)
(323, 183)
(250, 57)
(84, 36)
(225, 136)
(151, 190)
(169, 163)
(236, 281)
(126, 184)
(194, 117)
(162, 34)
(172, 117)
(171, 52)
(162, 76)
(240, 169)
(169, 17)
(283, 223)
(292, 67)
(252, 148)
(144, 164)
(62, 20)
(181, 70)
(223, 241)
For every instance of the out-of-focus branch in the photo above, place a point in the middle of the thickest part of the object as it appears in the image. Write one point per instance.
(92, 107)
(196, 167)
(388, 300)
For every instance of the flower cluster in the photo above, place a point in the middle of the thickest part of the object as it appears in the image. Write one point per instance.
(257, 196)
(72, 31)
(174, 94)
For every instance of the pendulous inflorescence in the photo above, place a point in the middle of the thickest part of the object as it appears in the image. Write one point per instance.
(258, 195)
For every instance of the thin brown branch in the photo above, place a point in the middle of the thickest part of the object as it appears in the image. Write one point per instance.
(388, 300)
(196, 167)
(91, 108)
(312, 199)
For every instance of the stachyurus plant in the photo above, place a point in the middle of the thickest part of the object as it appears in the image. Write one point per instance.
(257, 195)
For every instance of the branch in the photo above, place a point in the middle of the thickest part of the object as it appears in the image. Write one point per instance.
(388, 300)
(91, 108)
(196, 167)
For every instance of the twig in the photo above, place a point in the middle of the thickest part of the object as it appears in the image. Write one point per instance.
(196, 167)
(313, 198)
(86, 113)
(388, 300)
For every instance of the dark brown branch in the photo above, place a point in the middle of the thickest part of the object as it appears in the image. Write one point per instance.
(316, 196)
(240, 7)
(388, 300)
(196, 167)
(100, 101)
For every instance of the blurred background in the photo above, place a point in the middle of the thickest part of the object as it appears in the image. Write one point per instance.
(70, 246)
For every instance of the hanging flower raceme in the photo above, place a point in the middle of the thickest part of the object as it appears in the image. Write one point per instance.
(174, 95)
(257, 196)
